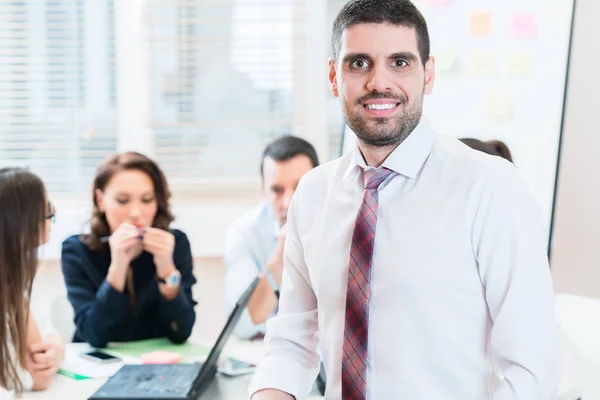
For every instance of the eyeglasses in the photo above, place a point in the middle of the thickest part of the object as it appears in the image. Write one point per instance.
(51, 213)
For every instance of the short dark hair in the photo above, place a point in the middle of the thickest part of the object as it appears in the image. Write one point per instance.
(288, 147)
(492, 147)
(395, 12)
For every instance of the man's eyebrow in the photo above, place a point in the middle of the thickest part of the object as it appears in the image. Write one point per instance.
(355, 56)
(405, 55)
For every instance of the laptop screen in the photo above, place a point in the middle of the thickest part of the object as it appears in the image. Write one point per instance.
(234, 316)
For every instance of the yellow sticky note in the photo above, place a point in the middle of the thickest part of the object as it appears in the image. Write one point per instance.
(480, 24)
(482, 64)
(519, 64)
(445, 61)
(498, 106)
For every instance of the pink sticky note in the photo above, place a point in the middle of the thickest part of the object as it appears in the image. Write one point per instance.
(523, 25)
(160, 357)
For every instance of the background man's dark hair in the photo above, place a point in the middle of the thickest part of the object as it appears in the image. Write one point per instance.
(493, 147)
(288, 147)
(395, 12)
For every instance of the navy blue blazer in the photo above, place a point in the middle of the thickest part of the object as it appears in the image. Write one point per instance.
(104, 315)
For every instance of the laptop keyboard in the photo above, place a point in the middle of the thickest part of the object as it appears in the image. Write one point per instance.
(165, 379)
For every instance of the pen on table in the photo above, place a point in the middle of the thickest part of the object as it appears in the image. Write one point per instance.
(72, 375)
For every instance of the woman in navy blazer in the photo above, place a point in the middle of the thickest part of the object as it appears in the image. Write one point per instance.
(131, 277)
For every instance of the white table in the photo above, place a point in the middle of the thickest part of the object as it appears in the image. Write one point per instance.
(578, 320)
(222, 388)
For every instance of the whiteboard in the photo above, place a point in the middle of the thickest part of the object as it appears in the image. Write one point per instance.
(500, 74)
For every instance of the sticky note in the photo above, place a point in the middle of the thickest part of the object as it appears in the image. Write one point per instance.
(523, 25)
(519, 64)
(480, 24)
(446, 62)
(498, 106)
(160, 357)
(438, 3)
(482, 64)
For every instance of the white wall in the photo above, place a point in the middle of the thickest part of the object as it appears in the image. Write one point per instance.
(575, 256)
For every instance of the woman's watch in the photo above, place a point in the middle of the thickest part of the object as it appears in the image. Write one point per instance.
(171, 280)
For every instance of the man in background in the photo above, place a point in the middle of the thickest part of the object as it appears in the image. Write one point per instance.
(255, 242)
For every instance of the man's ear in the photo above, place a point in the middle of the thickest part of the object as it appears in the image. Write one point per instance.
(333, 78)
(429, 75)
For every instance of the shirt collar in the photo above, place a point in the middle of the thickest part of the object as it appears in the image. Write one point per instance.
(406, 159)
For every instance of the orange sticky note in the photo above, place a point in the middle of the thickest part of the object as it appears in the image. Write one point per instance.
(523, 25)
(160, 357)
(480, 24)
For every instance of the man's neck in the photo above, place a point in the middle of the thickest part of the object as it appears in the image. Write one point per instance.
(374, 156)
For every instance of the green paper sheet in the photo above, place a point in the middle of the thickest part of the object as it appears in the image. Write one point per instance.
(189, 352)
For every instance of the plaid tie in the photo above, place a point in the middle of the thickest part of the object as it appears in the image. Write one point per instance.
(356, 335)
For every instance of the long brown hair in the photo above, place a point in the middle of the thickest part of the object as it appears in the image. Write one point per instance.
(493, 147)
(22, 217)
(125, 162)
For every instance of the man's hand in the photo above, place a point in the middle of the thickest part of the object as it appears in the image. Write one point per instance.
(275, 263)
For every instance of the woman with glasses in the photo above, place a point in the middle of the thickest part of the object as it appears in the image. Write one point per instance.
(29, 352)
(131, 277)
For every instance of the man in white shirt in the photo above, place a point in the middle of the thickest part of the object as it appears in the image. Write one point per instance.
(419, 263)
(255, 242)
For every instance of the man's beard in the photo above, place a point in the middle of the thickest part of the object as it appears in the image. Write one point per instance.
(383, 132)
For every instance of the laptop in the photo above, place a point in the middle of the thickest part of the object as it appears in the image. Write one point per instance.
(172, 381)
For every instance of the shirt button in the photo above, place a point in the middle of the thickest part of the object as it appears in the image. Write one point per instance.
(174, 326)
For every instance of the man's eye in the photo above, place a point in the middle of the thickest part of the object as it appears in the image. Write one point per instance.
(400, 63)
(359, 64)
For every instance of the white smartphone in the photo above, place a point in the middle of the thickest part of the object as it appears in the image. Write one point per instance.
(235, 367)
(100, 357)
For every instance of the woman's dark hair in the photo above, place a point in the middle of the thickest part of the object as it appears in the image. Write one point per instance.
(105, 172)
(23, 212)
(394, 12)
(493, 147)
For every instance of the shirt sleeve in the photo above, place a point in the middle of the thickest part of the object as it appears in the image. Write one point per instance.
(291, 363)
(5, 394)
(510, 247)
(241, 268)
(98, 310)
(178, 314)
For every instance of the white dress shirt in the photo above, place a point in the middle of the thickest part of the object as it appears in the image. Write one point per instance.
(461, 293)
(250, 243)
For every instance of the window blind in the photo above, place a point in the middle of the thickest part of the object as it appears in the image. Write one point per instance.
(57, 111)
(223, 77)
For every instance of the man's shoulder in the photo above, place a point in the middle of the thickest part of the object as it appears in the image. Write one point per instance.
(327, 173)
(258, 219)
